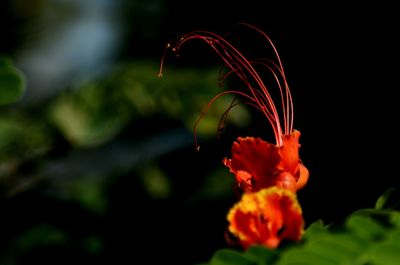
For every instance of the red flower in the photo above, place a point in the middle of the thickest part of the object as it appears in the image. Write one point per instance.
(258, 164)
(266, 218)
(270, 174)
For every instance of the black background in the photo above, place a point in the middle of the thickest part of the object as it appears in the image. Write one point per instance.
(341, 62)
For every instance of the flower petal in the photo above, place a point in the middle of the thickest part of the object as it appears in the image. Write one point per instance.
(256, 157)
(258, 164)
(266, 218)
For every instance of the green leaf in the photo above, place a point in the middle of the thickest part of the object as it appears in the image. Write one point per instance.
(326, 248)
(342, 248)
(5, 62)
(261, 255)
(12, 83)
(385, 254)
(315, 228)
(230, 257)
(382, 200)
(89, 117)
(22, 137)
(304, 257)
(365, 227)
(394, 238)
(395, 218)
(41, 235)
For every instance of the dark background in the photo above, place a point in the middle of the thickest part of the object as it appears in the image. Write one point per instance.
(341, 62)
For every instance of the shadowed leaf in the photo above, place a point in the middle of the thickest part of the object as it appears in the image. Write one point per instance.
(12, 83)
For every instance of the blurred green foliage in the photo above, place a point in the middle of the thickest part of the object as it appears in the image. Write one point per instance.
(94, 113)
(97, 111)
(12, 82)
(34, 237)
(72, 148)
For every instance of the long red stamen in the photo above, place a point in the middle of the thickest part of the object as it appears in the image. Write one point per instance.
(206, 108)
(288, 98)
(230, 54)
(259, 96)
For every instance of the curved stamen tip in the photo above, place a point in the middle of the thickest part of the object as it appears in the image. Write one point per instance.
(168, 46)
(197, 147)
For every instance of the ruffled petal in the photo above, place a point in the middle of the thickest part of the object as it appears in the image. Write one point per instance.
(258, 164)
(258, 158)
(266, 218)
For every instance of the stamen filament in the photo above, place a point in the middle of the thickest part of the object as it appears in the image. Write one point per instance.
(258, 96)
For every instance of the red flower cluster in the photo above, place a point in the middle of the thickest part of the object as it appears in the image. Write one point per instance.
(269, 174)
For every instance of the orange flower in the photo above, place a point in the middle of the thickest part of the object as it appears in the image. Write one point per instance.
(266, 218)
(270, 174)
(258, 164)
